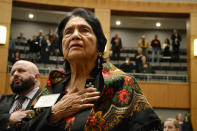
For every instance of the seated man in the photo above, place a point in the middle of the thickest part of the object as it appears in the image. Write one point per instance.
(25, 83)
(140, 61)
(127, 66)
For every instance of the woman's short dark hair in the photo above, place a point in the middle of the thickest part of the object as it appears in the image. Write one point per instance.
(92, 21)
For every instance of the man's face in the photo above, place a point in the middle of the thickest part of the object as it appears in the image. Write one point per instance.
(22, 78)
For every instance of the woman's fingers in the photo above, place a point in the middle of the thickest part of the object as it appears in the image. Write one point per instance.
(96, 93)
(85, 106)
(85, 90)
(90, 99)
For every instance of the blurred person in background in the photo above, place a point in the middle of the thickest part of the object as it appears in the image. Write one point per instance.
(16, 57)
(53, 40)
(179, 118)
(127, 66)
(156, 48)
(34, 49)
(21, 37)
(176, 41)
(166, 47)
(116, 43)
(140, 61)
(171, 125)
(143, 44)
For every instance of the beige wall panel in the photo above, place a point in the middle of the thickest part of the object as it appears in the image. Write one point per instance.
(5, 12)
(166, 95)
(3, 83)
(193, 66)
(105, 23)
(156, 94)
(193, 23)
(193, 118)
(104, 17)
(179, 95)
(7, 88)
(3, 58)
(194, 95)
(5, 19)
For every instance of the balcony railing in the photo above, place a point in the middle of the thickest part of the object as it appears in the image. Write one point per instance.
(138, 76)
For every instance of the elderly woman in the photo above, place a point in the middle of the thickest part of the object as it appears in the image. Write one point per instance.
(94, 95)
(171, 125)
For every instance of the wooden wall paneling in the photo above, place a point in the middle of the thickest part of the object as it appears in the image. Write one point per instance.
(8, 90)
(5, 15)
(104, 16)
(166, 95)
(179, 95)
(193, 71)
(2, 83)
(156, 94)
(194, 96)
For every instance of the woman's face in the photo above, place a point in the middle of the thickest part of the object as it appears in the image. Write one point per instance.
(169, 126)
(79, 40)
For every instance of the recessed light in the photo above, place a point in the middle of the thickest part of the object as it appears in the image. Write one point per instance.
(158, 24)
(31, 16)
(118, 22)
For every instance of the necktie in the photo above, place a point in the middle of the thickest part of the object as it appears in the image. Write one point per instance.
(19, 103)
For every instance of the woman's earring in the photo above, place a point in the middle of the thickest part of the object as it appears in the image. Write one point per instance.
(99, 60)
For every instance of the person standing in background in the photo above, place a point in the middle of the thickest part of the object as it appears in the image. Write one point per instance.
(176, 41)
(21, 37)
(53, 41)
(166, 47)
(116, 46)
(11, 48)
(45, 50)
(143, 43)
(40, 38)
(34, 49)
(156, 48)
(179, 118)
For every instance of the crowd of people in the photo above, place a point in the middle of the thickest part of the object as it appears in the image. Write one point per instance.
(142, 58)
(40, 47)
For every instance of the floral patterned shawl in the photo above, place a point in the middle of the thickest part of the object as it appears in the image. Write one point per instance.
(122, 104)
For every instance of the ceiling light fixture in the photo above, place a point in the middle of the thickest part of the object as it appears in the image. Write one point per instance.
(118, 22)
(31, 16)
(158, 24)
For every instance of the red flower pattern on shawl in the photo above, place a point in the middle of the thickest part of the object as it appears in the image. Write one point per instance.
(109, 93)
(128, 80)
(95, 121)
(123, 96)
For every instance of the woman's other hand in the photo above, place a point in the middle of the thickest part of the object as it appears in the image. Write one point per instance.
(73, 102)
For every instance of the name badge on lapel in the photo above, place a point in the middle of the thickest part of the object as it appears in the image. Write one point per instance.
(47, 101)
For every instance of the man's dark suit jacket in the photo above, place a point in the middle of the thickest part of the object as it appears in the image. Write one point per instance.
(6, 102)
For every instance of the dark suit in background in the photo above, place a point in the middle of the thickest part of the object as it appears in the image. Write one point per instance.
(6, 102)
